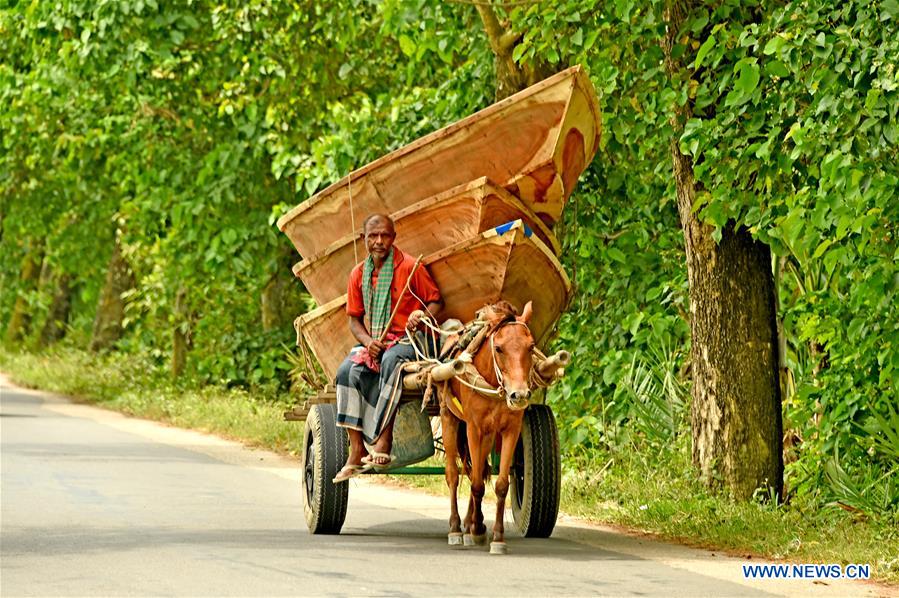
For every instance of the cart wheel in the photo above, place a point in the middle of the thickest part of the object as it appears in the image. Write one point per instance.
(325, 452)
(536, 474)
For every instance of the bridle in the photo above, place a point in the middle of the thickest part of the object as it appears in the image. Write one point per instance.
(500, 381)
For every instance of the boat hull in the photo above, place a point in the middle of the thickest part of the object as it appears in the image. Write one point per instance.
(424, 228)
(535, 143)
(508, 263)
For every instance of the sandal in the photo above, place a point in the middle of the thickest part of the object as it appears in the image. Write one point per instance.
(369, 459)
(350, 471)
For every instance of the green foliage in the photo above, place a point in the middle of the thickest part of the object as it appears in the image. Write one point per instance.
(189, 127)
(658, 399)
(793, 135)
(870, 492)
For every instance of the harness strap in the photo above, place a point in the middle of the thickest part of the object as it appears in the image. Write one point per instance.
(471, 377)
(478, 383)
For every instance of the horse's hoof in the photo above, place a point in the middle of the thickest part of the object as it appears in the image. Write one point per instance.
(498, 548)
(454, 538)
(480, 540)
(467, 540)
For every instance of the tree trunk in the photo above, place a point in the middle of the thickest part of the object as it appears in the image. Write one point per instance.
(58, 316)
(180, 334)
(510, 77)
(736, 411)
(111, 307)
(281, 297)
(275, 302)
(20, 321)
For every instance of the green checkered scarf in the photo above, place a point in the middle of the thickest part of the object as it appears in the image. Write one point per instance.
(377, 303)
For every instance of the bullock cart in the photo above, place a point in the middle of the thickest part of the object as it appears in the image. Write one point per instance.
(484, 269)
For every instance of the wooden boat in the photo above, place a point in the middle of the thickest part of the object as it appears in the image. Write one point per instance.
(424, 228)
(535, 143)
(507, 262)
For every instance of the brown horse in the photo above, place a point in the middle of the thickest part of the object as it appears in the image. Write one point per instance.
(492, 411)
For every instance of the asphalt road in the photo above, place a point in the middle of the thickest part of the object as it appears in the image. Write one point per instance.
(96, 504)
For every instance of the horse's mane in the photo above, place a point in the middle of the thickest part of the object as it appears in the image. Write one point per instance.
(493, 314)
(497, 313)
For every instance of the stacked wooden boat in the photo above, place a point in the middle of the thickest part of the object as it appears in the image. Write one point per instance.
(476, 199)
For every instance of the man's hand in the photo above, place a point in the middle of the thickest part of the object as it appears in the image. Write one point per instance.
(414, 320)
(375, 348)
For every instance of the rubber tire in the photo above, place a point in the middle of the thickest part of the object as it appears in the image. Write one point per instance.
(536, 474)
(325, 450)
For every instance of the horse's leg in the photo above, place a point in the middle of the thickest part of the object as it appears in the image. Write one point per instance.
(468, 522)
(450, 437)
(501, 488)
(479, 445)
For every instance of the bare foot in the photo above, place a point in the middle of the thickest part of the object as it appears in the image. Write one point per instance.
(357, 450)
(380, 453)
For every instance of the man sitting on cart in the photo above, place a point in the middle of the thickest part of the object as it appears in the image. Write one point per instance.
(367, 389)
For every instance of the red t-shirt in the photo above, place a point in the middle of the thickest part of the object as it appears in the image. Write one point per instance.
(422, 285)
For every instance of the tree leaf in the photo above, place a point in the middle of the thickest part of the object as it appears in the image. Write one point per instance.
(578, 38)
(616, 254)
(518, 52)
(777, 68)
(704, 49)
(748, 79)
(407, 45)
(821, 248)
(774, 44)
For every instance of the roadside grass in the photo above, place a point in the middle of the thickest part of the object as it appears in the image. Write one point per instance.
(135, 386)
(663, 497)
(653, 492)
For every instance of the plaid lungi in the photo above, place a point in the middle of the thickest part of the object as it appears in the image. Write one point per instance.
(367, 400)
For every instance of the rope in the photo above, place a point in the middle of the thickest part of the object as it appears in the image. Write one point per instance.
(349, 186)
(309, 371)
(419, 352)
(486, 390)
(420, 300)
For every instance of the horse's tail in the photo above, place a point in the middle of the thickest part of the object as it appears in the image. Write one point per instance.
(462, 446)
(465, 453)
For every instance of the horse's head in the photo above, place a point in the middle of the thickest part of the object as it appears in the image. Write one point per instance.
(511, 345)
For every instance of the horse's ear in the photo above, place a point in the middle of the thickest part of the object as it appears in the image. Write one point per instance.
(526, 313)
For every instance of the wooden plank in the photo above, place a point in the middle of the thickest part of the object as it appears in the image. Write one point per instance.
(297, 414)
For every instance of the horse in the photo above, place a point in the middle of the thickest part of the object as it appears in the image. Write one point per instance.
(491, 403)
